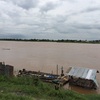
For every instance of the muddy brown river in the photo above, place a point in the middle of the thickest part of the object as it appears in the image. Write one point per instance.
(45, 56)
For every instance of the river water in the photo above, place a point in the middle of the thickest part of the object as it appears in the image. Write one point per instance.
(45, 56)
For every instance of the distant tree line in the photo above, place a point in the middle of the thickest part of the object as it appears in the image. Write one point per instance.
(48, 40)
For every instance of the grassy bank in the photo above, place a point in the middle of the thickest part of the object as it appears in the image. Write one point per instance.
(31, 88)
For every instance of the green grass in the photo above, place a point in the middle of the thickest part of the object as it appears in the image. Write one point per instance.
(14, 97)
(31, 88)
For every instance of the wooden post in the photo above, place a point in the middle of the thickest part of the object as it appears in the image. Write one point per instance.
(52, 72)
(57, 69)
(62, 72)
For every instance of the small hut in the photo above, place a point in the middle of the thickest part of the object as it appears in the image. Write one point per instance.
(83, 77)
(6, 69)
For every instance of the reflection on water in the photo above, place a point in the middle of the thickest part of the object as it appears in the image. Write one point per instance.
(45, 56)
(81, 89)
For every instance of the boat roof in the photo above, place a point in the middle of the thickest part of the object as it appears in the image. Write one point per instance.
(84, 73)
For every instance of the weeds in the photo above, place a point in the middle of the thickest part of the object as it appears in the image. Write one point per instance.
(31, 88)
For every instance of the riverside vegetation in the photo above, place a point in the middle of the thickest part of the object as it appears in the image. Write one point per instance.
(31, 88)
(48, 40)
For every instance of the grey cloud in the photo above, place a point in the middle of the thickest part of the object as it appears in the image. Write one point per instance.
(71, 1)
(86, 26)
(66, 29)
(61, 19)
(25, 4)
(47, 7)
(14, 36)
(91, 9)
(87, 10)
(76, 27)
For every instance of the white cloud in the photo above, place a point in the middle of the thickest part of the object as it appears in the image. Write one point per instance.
(73, 19)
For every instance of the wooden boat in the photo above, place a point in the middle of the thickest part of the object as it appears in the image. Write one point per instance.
(61, 80)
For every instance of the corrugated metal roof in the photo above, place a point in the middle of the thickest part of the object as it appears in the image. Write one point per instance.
(84, 73)
(89, 74)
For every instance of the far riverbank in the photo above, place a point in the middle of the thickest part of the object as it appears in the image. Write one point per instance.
(48, 40)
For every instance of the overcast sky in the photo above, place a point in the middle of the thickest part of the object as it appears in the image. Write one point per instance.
(50, 19)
